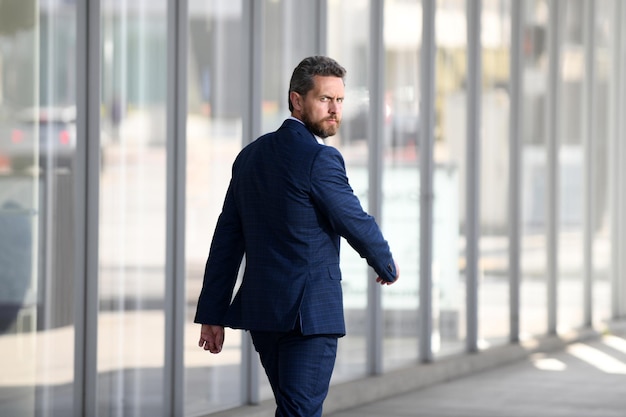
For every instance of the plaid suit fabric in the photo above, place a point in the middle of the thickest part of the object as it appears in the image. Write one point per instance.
(287, 205)
(299, 369)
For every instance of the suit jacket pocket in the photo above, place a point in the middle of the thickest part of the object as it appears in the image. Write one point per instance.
(334, 272)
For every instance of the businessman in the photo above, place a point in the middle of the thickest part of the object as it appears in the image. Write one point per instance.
(287, 205)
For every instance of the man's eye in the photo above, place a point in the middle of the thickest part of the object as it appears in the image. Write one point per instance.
(340, 100)
(324, 99)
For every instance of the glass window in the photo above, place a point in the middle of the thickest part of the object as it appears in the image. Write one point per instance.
(37, 200)
(571, 169)
(348, 34)
(131, 318)
(287, 39)
(602, 214)
(493, 310)
(533, 287)
(449, 178)
(212, 382)
(400, 221)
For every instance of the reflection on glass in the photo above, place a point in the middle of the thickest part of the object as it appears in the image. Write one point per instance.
(533, 288)
(571, 166)
(212, 382)
(37, 149)
(493, 310)
(131, 319)
(449, 178)
(400, 210)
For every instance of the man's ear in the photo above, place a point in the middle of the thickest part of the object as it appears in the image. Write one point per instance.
(296, 100)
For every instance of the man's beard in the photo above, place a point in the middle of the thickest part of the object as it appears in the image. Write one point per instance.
(318, 129)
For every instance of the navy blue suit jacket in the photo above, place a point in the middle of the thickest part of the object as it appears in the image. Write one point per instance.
(287, 205)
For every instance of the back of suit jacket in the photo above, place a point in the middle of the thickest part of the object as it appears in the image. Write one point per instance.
(287, 205)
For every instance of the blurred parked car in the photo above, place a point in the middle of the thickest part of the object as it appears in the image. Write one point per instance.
(355, 115)
(44, 137)
(401, 117)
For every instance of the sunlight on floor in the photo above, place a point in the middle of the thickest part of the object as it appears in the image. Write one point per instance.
(615, 342)
(598, 358)
(544, 363)
(592, 356)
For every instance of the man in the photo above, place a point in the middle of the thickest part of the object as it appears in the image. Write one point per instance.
(286, 207)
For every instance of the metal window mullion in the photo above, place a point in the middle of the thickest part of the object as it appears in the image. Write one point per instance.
(515, 163)
(376, 133)
(292, 48)
(472, 184)
(253, 27)
(427, 91)
(176, 114)
(614, 156)
(87, 183)
(621, 132)
(552, 162)
(252, 96)
(588, 104)
(322, 29)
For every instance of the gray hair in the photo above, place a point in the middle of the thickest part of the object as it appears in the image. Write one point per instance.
(302, 78)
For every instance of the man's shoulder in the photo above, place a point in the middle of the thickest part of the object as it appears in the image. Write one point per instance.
(290, 127)
(329, 152)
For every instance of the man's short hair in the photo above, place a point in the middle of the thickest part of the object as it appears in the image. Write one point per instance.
(302, 77)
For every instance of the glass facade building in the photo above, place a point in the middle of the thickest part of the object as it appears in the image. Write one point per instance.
(484, 135)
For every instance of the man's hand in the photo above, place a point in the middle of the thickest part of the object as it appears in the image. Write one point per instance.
(383, 282)
(211, 338)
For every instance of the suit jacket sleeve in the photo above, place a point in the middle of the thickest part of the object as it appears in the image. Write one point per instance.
(333, 195)
(222, 266)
